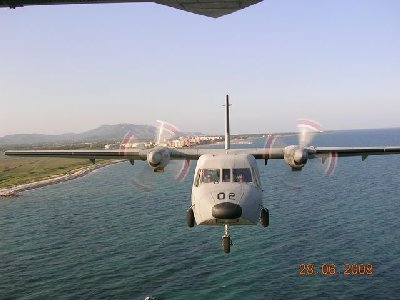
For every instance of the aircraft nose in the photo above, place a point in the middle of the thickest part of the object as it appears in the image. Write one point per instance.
(226, 210)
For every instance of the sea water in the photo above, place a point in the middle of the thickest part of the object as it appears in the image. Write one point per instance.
(102, 237)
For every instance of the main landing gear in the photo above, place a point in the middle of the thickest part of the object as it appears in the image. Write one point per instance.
(190, 217)
(264, 217)
(226, 240)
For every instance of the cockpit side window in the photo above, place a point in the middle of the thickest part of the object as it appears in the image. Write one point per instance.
(256, 178)
(208, 176)
(241, 175)
(197, 179)
(226, 175)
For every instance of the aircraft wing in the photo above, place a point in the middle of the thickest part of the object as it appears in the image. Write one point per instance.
(258, 153)
(209, 8)
(131, 154)
(195, 153)
(279, 153)
(354, 151)
(141, 154)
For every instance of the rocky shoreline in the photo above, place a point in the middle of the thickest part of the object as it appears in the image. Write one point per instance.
(15, 190)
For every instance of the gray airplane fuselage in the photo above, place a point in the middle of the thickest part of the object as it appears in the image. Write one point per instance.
(226, 190)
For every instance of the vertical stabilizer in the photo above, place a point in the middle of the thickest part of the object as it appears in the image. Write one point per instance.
(227, 130)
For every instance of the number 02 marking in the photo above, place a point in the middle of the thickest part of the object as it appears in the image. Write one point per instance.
(221, 196)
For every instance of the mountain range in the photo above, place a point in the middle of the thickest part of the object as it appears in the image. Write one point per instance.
(107, 133)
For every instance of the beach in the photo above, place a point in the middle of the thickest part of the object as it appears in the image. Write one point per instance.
(14, 191)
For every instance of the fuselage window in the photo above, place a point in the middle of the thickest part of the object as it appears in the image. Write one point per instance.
(242, 175)
(226, 175)
(209, 175)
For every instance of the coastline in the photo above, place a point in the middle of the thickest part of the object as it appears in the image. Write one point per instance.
(14, 191)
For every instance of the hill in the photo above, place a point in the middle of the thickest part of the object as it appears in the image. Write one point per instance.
(102, 133)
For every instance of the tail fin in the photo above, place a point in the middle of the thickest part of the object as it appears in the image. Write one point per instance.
(227, 130)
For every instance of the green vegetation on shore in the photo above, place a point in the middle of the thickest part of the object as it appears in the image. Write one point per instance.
(20, 170)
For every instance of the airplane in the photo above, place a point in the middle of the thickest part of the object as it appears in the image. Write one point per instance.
(226, 189)
(209, 8)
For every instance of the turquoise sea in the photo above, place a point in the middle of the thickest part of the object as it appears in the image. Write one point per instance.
(99, 237)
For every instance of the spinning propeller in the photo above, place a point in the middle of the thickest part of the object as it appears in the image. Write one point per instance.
(296, 156)
(158, 158)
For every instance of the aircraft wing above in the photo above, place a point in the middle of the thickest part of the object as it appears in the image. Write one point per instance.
(355, 151)
(141, 154)
(209, 8)
(195, 153)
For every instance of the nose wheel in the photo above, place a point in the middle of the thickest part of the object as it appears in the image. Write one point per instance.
(226, 240)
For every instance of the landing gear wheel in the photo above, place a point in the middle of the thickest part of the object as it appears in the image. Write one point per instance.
(226, 240)
(264, 217)
(190, 217)
(226, 243)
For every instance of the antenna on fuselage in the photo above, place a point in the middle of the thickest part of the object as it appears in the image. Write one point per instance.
(227, 131)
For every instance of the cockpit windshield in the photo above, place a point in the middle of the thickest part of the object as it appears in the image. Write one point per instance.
(209, 176)
(241, 175)
(226, 175)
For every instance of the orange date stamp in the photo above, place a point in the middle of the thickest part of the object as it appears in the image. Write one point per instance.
(351, 269)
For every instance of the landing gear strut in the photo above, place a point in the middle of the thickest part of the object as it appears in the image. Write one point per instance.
(264, 217)
(190, 217)
(226, 240)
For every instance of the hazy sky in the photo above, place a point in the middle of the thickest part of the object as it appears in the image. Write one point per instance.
(74, 67)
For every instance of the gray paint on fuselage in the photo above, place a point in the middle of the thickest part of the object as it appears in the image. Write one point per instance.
(246, 194)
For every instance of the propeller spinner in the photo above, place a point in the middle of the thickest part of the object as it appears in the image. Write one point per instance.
(297, 156)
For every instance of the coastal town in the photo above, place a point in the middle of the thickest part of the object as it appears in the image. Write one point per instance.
(179, 142)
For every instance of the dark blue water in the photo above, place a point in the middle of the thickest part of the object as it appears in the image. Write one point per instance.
(99, 237)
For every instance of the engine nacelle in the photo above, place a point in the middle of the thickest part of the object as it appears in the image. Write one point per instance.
(158, 158)
(296, 157)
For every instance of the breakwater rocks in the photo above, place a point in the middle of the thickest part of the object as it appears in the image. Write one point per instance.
(15, 190)
(8, 194)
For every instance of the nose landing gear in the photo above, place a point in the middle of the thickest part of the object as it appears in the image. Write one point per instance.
(226, 240)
